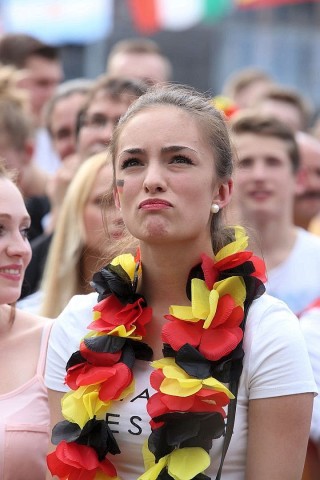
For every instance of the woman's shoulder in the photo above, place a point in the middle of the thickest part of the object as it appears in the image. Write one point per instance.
(29, 323)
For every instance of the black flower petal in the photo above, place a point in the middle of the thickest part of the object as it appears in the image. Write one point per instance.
(95, 434)
(75, 359)
(65, 431)
(104, 343)
(185, 430)
(113, 279)
(164, 475)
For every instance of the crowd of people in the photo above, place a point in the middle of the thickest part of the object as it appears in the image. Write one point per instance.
(159, 273)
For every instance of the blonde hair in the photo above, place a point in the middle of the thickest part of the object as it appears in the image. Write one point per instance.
(62, 275)
(8, 174)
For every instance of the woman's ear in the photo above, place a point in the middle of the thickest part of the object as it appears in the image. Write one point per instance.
(223, 196)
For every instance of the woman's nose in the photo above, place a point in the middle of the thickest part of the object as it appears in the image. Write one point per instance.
(154, 180)
(19, 246)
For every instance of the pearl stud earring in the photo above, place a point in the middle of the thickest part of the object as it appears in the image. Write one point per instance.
(215, 208)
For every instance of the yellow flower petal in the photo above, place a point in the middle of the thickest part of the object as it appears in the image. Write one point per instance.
(83, 404)
(127, 263)
(102, 476)
(187, 463)
(121, 331)
(216, 385)
(155, 470)
(213, 303)
(200, 298)
(180, 388)
(239, 232)
(163, 362)
(182, 312)
(240, 244)
(148, 457)
(174, 371)
(233, 286)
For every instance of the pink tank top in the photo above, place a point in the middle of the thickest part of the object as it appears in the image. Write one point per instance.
(25, 425)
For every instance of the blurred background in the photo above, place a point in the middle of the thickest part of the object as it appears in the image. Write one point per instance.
(206, 40)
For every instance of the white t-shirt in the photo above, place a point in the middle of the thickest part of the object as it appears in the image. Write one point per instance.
(296, 281)
(276, 363)
(310, 326)
(45, 156)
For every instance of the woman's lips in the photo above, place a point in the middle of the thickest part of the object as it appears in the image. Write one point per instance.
(11, 272)
(154, 204)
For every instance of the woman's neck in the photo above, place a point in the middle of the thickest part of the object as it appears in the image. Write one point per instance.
(6, 317)
(165, 272)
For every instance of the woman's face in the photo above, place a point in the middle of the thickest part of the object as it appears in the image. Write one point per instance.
(166, 180)
(15, 250)
(93, 215)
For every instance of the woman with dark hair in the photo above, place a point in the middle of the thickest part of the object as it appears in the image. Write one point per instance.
(225, 357)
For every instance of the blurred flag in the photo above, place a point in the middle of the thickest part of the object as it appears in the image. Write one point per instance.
(59, 21)
(150, 16)
(153, 15)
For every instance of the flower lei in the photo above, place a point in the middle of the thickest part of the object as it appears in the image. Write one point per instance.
(202, 347)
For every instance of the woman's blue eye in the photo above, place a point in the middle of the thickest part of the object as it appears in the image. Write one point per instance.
(25, 232)
(131, 162)
(181, 159)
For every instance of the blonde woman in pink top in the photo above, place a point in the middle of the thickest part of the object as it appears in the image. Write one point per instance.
(24, 411)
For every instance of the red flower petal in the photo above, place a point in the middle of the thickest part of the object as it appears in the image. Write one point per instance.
(156, 378)
(210, 271)
(227, 314)
(155, 406)
(72, 375)
(233, 260)
(113, 314)
(92, 375)
(218, 342)
(260, 268)
(99, 358)
(76, 461)
(224, 309)
(108, 468)
(178, 332)
(121, 379)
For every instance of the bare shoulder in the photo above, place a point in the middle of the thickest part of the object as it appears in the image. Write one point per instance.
(29, 323)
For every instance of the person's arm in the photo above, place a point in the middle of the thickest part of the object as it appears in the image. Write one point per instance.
(310, 326)
(278, 432)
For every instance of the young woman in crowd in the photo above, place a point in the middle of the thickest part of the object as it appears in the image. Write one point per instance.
(24, 411)
(79, 243)
(192, 294)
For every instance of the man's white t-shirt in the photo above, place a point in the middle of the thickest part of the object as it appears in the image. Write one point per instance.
(276, 363)
(310, 326)
(296, 281)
